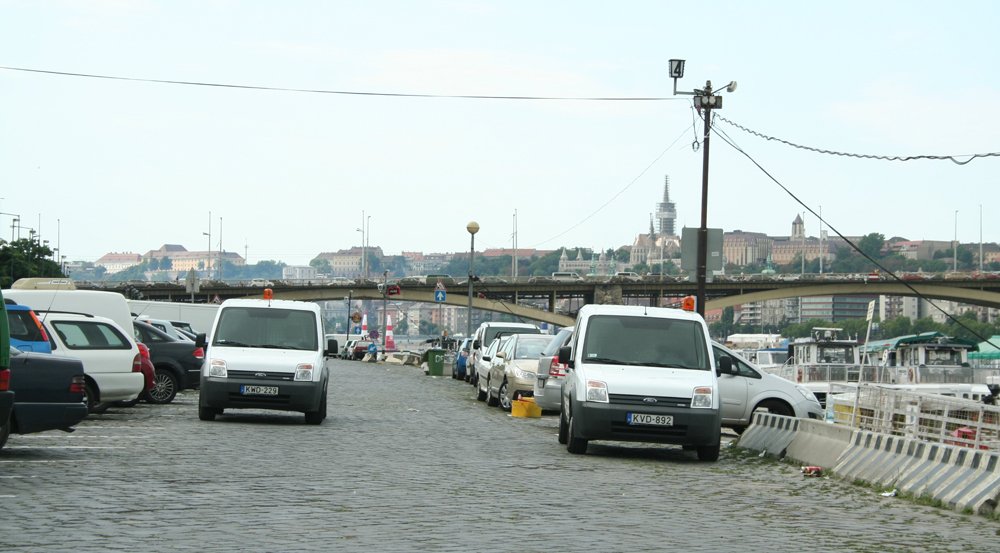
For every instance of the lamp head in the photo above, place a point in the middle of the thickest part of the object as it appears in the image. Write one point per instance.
(472, 227)
(731, 87)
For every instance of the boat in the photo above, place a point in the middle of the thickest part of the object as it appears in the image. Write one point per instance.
(825, 357)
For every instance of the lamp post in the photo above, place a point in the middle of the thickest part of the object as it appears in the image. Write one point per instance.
(208, 262)
(705, 102)
(350, 293)
(385, 306)
(473, 228)
(954, 245)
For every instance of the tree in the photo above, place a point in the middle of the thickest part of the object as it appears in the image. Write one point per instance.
(26, 258)
(321, 265)
(872, 244)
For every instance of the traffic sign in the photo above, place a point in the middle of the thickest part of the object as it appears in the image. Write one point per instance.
(440, 295)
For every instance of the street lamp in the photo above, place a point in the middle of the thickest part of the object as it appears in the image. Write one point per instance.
(347, 299)
(704, 101)
(954, 247)
(473, 228)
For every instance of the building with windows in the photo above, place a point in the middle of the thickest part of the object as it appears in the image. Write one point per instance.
(116, 262)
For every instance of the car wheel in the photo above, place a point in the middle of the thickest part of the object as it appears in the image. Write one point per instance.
(164, 388)
(480, 393)
(563, 429)
(131, 402)
(208, 413)
(773, 406)
(4, 433)
(503, 398)
(574, 444)
(708, 453)
(90, 399)
(316, 417)
(490, 400)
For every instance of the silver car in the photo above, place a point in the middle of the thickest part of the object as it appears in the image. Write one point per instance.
(513, 375)
(551, 373)
(749, 389)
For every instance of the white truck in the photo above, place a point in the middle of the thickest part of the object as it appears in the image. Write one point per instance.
(199, 315)
(641, 374)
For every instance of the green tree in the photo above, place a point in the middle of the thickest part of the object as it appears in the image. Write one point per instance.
(26, 258)
(321, 265)
(872, 244)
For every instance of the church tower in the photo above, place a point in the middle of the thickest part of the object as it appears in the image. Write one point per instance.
(666, 211)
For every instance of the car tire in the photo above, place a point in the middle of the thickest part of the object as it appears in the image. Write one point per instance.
(131, 402)
(490, 400)
(708, 453)
(775, 407)
(480, 394)
(4, 433)
(208, 413)
(574, 444)
(316, 417)
(563, 430)
(503, 398)
(90, 399)
(165, 386)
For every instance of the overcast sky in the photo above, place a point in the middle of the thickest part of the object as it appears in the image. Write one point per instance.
(117, 165)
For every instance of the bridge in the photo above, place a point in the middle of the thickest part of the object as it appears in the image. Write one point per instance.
(536, 298)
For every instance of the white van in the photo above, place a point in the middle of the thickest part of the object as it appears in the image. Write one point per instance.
(266, 354)
(641, 374)
(91, 302)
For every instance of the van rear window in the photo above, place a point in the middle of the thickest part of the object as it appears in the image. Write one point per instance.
(257, 327)
(645, 341)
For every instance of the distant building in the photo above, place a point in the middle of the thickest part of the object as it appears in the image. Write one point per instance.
(181, 260)
(743, 248)
(422, 264)
(666, 212)
(919, 249)
(834, 308)
(298, 272)
(786, 249)
(116, 262)
(587, 263)
(347, 263)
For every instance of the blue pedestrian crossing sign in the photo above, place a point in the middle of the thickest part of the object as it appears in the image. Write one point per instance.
(440, 295)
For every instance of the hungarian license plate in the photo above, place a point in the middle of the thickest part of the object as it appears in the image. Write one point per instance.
(650, 420)
(249, 390)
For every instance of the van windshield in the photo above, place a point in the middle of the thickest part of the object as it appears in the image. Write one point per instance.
(255, 327)
(494, 331)
(645, 341)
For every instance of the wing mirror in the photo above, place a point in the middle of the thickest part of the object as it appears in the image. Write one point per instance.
(564, 356)
(725, 366)
(200, 340)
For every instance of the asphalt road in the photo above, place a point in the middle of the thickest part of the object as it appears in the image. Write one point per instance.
(408, 462)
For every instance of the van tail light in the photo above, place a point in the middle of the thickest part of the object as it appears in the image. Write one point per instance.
(77, 385)
(199, 353)
(4, 380)
(556, 368)
(41, 327)
(137, 363)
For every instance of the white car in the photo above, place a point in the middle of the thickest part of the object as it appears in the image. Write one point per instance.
(111, 362)
(484, 363)
(749, 389)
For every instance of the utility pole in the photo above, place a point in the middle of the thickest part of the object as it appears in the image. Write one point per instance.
(704, 102)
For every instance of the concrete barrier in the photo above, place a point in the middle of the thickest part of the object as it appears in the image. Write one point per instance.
(770, 433)
(959, 477)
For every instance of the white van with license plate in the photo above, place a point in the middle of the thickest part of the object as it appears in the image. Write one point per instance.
(641, 374)
(266, 354)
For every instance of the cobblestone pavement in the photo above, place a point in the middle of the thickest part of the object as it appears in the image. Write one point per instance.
(408, 462)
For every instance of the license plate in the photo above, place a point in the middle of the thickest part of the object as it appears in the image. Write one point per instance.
(650, 420)
(259, 390)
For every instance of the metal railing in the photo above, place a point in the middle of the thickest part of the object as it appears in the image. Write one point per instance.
(927, 417)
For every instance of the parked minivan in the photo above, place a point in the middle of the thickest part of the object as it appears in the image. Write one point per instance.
(266, 354)
(642, 374)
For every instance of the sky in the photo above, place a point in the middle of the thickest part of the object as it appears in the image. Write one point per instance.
(110, 165)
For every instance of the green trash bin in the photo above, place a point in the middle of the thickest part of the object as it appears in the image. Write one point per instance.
(435, 362)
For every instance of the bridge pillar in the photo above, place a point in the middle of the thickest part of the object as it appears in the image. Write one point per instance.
(552, 302)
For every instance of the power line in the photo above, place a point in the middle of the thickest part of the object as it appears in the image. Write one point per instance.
(341, 92)
(725, 138)
(952, 158)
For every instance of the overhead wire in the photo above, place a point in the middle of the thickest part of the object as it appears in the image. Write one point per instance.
(728, 140)
(341, 92)
(952, 158)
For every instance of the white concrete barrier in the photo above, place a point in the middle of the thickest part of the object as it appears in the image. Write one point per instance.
(770, 433)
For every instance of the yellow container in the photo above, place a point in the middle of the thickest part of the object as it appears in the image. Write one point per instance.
(525, 408)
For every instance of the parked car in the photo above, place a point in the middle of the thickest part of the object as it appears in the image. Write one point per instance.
(460, 368)
(111, 361)
(347, 352)
(178, 362)
(748, 389)
(26, 330)
(626, 276)
(567, 276)
(164, 326)
(551, 373)
(148, 375)
(48, 393)
(482, 365)
(641, 374)
(483, 337)
(6, 394)
(513, 377)
(360, 348)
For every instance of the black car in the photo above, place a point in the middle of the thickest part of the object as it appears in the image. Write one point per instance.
(48, 393)
(178, 362)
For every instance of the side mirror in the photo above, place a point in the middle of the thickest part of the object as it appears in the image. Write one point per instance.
(331, 347)
(486, 358)
(200, 340)
(501, 355)
(475, 344)
(725, 366)
(564, 355)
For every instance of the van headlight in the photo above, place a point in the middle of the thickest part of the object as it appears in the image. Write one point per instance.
(597, 391)
(702, 398)
(217, 368)
(304, 372)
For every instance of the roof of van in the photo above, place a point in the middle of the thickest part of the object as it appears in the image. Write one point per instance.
(280, 304)
(509, 325)
(637, 310)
